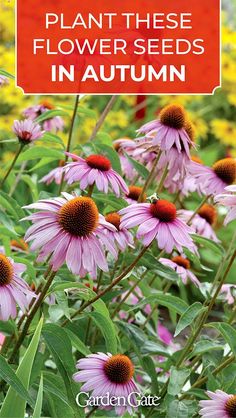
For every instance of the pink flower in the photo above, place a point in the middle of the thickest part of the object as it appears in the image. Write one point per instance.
(158, 220)
(95, 169)
(106, 373)
(164, 334)
(227, 294)
(71, 230)
(229, 200)
(3, 80)
(55, 123)
(203, 221)
(173, 134)
(27, 131)
(172, 129)
(13, 289)
(54, 175)
(121, 236)
(214, 180)
(220, 405)
(125, 146)
(2, 339)
(134, 194)
(182, 267)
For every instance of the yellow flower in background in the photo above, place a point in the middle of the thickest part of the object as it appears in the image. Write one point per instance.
(201, 126)
(232, 99)
(117, 118)
(7, 22)
(225, 131)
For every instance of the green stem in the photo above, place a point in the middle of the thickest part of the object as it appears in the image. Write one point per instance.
(217, 370)
(110, 287)
(70, 137)
(163, 177)
(31, 316)
(103, 116)
(149, 178)
(12, 164)
(198, 208)
(118, 307)
(202, 320)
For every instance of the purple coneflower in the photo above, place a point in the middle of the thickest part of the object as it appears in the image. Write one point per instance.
(53, 124)
(170, 130)
(54, 175)
(125, 146)
(106, 373)
(134, 194)
(226, 292)
(122, 237)
(13, 289)
(203, 221)
(214, 179)
(27, 131)
(71, 230)
(158, 220)
(3, 80)
(95, 169)
(182, 267)
(220, 405)
(229, 200)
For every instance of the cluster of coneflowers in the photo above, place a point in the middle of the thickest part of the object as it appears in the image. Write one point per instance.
(68, 229)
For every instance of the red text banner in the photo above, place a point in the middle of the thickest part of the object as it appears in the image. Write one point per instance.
(130, 47)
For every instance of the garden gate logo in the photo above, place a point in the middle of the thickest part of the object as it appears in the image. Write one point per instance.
(131, 47)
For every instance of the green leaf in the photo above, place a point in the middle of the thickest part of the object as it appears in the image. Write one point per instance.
(6, 74)
(188, 317)
(50, 114)
(204, 346)
(150, 368)
(60, 347)
(53, 139)
(139, 341)
(8, 232)
(30, 269)
(39, 400)
(11, 205)
(77, 343)
(178, 378)
(54, 384)
(107, 329)
(85, 293)
(143, 171)
(111, 154)
(169, 301)
(38, 152)
(13, 402)
(228, 333)
(7, 374)
(209, 244)
(81, 110)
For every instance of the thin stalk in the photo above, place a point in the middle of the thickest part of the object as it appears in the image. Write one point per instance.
(149, 178)
(198, 208)
(117, 309)
(110, 287)
(12, 164)
(202, 321)
(31, 316)
(205, 315)
(165, 290)
(217, 370)
(163, 177)
(103, 116)
(70, 137)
